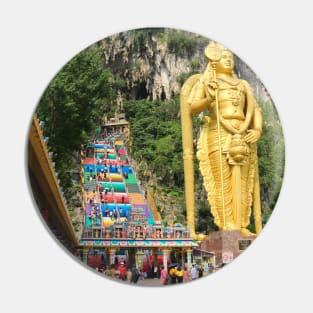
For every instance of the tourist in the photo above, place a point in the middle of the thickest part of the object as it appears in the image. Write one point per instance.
(172, 274)
(155, 271)
(186, 275)
(128, 275)
(111, 271)
(144, 275)
(193, 272)
(200, 272)
(122, 270)
(117, 272)
(106, 189)
(163, 276)
(205, 269)
(135, 275)
(179, 274)
(141, 277)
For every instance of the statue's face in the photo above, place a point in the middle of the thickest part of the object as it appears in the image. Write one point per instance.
(226, 63)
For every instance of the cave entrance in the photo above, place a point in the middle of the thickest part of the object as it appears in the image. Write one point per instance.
(163, 94)
(141, 92)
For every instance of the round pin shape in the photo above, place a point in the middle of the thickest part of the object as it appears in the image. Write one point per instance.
(116, 182)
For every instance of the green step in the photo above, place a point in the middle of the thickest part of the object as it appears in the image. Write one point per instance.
(133, 188)
(119, 187)
(87, 221)
(150, 220)
(131, 179)
(87, 176)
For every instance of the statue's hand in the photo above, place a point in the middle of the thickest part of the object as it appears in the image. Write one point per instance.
(252, 136)
(211, 88)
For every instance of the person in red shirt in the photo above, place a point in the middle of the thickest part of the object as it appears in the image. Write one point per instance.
(122, 270)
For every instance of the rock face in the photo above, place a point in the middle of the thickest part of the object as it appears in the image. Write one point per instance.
(150, 63)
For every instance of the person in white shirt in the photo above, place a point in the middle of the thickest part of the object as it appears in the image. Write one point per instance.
(193, 272)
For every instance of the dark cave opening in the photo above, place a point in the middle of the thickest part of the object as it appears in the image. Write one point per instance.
(141, 91)
(163, 94)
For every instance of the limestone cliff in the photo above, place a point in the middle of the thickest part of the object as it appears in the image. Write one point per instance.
(151, 63)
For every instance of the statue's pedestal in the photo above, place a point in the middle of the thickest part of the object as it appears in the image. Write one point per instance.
(226, 244)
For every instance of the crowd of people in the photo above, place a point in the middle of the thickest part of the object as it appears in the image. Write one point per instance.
(95, 214)
(178, 274)
(102, 193)
(120, 271)
(175, 274)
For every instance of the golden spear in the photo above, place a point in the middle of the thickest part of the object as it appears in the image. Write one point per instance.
(213, 53)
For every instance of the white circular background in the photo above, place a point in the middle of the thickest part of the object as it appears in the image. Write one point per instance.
(39, 37)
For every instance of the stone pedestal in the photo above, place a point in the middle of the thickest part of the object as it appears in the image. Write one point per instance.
(226, 244)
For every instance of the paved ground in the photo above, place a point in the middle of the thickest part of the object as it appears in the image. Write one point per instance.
(141, 282)
(152, 283)
(149, 282)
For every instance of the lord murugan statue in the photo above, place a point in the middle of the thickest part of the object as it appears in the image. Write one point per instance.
(226, 147)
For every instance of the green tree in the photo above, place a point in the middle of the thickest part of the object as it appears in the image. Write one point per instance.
(271, 157)
(156, 137)
(72, 105)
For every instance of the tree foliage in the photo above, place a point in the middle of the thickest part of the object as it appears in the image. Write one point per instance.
(183, 43)
(156, 137)
(271, 157)
(72, 105)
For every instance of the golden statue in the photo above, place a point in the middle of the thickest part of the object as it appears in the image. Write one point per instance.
(226, 148)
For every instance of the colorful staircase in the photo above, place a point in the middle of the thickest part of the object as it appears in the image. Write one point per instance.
(111, 189)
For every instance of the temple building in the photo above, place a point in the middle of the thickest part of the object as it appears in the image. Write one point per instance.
(119, 225)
